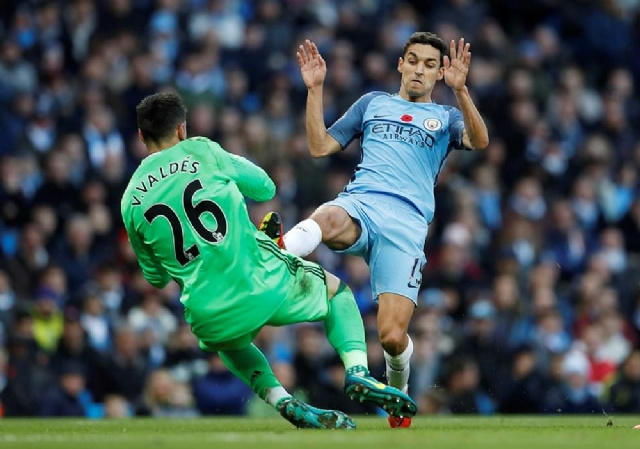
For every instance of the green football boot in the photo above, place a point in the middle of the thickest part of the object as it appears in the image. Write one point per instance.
(304, 416)
(360, 386)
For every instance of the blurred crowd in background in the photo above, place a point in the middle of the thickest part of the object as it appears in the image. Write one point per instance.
(530, 300)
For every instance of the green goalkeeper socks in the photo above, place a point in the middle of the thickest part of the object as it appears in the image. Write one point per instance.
(345, 332)
(344, 328)
(251, 366)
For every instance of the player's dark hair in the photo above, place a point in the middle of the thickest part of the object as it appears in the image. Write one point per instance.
(426, 38)
(159, 115)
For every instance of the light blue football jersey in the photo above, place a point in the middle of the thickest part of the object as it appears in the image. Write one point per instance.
(404, 146)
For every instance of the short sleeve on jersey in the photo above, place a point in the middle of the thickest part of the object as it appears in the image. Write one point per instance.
(456, 127)
(349, 126)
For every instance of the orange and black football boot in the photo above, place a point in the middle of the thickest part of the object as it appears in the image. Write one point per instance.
(272, 226)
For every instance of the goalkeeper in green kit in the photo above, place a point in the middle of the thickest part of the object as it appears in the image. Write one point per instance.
(185, 214)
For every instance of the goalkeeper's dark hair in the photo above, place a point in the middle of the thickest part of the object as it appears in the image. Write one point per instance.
(426, 38)
(159, 115)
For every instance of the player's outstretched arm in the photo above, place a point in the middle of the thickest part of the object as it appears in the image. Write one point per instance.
(456, 69)
(314, 70)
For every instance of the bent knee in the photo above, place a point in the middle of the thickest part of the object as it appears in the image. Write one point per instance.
(393, 340)
(338, 229)
(329, 220)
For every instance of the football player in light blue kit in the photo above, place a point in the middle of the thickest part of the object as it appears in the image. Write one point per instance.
(384, 212)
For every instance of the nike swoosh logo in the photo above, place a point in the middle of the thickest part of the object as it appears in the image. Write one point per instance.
(381, 115)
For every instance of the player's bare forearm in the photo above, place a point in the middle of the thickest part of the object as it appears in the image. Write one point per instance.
(320, 142)
(475, 129)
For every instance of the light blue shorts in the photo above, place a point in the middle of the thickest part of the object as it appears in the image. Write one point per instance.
(391, 242)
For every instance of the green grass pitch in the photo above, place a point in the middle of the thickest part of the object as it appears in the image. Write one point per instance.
(372, 433)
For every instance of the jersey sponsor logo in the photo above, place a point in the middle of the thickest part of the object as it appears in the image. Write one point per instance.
(432, 124)
(406, 118)
(410, 134)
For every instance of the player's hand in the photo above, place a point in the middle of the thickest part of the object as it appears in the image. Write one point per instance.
(312, 67)
(456, 67)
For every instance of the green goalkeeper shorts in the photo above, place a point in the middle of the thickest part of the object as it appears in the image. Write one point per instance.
(307, 301)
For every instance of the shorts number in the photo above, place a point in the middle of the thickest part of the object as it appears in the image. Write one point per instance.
(416, 274)
(193, 213)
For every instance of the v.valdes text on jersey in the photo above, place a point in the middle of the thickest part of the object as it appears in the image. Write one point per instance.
(186, 165)
(404, 133)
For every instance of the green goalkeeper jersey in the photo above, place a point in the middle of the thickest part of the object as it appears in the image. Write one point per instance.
(186, 218)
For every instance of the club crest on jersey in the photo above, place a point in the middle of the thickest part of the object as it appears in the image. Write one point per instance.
(432, 124)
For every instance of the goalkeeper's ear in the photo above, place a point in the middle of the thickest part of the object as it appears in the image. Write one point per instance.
(182, 131)
(140, 136)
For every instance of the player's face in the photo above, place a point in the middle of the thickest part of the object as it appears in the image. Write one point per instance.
(420, 69)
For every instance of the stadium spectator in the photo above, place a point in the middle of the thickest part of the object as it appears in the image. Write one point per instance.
(152, 315)
(433, 402)
(28, 372)
(124, 370)
(527, 385)
(56, 190)
(574, 396)
(219, 392)
(462, 384)
(183, 355)
(164, 397)
(7, 305)
(95, 322)
(116, 407)
(481, 345)
(29, 259)
(64, 398)
(48, 321)
(624, 392)
(357, 276)
(73, 347)
(431, 342)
